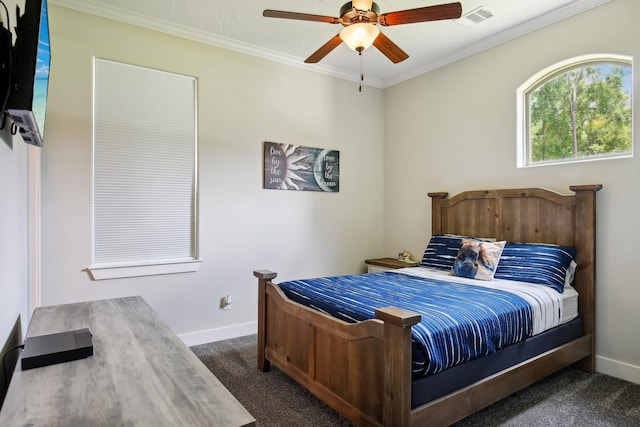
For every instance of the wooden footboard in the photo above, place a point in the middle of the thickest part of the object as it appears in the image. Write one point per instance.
(362, 370)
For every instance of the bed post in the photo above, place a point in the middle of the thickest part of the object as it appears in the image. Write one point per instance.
(436, 212)
(263, 276)
(396, 401)
(585, 243)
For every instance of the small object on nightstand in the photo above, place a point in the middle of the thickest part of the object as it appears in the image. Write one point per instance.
(405, 256)
(383, 264)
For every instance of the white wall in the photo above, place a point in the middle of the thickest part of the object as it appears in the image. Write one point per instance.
(14, 269)
(243, 101)
(455, 129)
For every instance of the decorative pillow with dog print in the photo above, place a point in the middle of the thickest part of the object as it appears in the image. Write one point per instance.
(477, 259)
(442, 250)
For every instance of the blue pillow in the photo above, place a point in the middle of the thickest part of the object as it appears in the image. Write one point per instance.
(539, 263)
(442, 250)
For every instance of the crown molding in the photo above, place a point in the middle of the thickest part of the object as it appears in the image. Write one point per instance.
(512, 33)
(156, 24)
(117, 14)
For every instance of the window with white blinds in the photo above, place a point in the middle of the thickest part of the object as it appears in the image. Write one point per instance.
(144, 171)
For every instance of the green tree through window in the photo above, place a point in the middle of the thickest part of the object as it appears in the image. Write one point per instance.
(577, 110)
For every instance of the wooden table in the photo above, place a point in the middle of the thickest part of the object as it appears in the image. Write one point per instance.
(381, 264)
(141, 374)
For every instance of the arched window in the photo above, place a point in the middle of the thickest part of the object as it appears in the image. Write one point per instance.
(576, 110)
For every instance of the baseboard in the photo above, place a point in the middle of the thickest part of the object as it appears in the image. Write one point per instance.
(618, 369)
(219, 334)
(14, 339)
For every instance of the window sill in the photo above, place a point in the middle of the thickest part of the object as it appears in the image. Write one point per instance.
(102, 272)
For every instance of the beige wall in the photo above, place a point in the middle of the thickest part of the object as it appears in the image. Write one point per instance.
(243, 101)
(455, 128)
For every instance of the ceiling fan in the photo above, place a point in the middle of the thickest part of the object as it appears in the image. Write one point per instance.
(360, 19)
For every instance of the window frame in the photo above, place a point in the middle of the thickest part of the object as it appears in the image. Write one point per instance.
(154, 264)
(540, 78)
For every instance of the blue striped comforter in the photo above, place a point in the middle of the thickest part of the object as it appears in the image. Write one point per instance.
(459, 322)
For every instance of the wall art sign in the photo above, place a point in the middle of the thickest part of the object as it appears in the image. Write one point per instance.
(293, 167)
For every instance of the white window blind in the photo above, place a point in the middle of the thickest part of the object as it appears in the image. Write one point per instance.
(145, 176)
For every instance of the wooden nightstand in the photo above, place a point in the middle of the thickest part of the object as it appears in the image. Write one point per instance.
(383, 264)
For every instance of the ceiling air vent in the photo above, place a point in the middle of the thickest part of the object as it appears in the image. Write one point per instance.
(475, 16)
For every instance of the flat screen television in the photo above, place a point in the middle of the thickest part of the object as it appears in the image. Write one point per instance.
(30, 72)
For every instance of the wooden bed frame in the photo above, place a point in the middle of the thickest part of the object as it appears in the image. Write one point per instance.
(363, 370)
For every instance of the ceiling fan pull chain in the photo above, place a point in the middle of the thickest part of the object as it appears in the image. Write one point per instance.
(361, 71)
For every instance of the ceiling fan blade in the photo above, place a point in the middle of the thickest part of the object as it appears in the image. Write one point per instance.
(389, 49)
(324, 50)
(421, 14)
(299, 16)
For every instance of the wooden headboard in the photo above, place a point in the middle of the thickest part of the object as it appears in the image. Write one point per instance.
(531, 215)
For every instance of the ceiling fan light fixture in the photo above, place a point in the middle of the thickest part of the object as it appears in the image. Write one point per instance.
(362, 4)
(359, 36)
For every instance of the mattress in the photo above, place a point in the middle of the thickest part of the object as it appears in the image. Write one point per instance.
(459, 322)
(568, 300)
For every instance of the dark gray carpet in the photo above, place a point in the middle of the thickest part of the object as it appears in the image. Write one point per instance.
(568, 398)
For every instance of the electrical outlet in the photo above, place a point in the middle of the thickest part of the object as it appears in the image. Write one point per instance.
(225, 302)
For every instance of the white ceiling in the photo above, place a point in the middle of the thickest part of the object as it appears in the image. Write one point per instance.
(239, 25)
